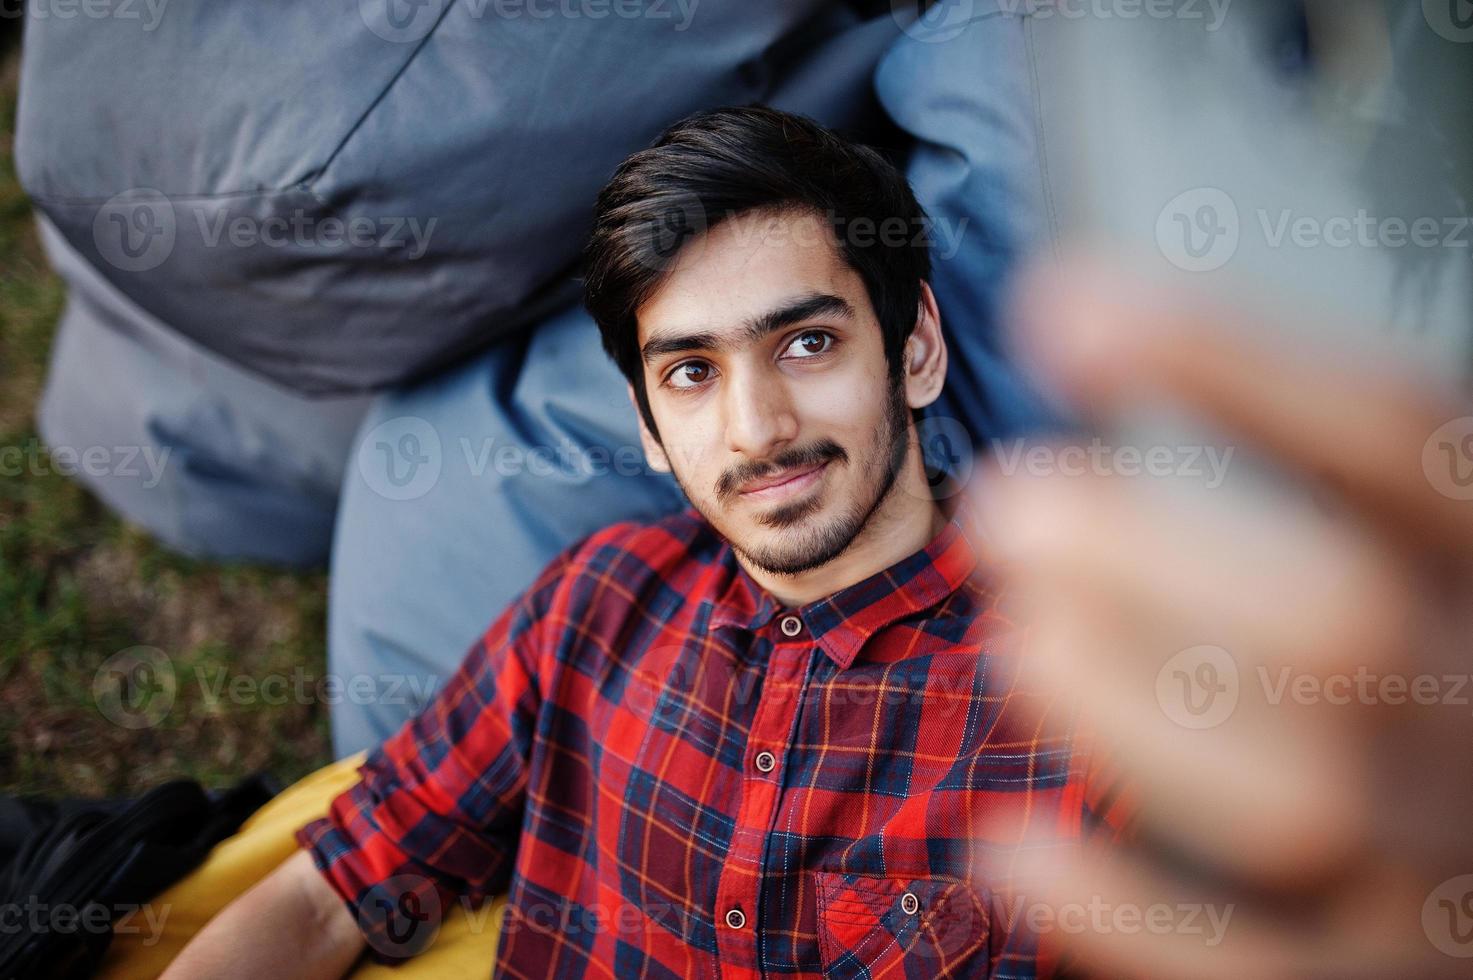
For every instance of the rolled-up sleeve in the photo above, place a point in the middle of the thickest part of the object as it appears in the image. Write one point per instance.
(437, 812)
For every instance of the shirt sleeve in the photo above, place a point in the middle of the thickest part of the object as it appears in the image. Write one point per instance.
(436, 814)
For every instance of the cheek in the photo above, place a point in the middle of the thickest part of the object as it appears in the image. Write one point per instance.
(846, 406)
(691, 441)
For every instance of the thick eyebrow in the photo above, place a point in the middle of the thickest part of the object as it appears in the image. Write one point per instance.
(797, 311)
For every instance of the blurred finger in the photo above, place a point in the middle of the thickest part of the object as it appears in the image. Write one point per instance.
(1114, 916)
(1120, 914)
(1254, 794)
(1282, 584)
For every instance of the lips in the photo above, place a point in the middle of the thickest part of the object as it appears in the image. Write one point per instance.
(782, 479)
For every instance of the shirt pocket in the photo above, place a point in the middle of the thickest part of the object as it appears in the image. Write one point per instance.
(900, 927)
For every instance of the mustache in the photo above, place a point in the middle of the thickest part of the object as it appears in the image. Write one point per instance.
(823, 451)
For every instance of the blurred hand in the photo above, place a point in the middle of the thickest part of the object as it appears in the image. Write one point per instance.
(1282, 678)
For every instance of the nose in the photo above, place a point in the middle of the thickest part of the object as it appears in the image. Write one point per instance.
(759, 415)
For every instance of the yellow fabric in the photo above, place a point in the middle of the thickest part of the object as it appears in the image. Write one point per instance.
(142, 947)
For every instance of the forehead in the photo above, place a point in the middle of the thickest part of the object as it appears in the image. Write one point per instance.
(747, 266)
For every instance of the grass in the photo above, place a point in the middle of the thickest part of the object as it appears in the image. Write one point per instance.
(77, 586)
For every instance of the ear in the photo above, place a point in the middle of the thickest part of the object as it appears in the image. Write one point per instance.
(654, 453)
(925, 354)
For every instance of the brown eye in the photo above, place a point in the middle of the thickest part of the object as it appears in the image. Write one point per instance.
(690, 374)
(810, 343)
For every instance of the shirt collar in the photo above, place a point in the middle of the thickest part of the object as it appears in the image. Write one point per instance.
(841, 623)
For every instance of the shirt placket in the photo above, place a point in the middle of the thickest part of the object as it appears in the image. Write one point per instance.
(763, 763)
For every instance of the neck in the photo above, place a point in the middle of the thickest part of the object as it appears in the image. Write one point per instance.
(905, 522)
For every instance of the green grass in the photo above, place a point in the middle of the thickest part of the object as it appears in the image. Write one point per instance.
(77, 586)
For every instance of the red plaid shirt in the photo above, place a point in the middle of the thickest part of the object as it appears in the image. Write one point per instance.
(674, 777)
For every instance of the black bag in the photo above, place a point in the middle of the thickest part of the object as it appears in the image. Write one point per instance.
(69, 870)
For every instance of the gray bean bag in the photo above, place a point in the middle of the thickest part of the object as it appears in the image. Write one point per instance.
(341, 195)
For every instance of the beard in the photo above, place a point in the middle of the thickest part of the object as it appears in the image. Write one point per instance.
(807, 543)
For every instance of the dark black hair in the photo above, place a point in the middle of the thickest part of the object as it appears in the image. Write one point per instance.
(723, 163)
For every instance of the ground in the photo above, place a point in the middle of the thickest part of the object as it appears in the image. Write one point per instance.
(78, 586)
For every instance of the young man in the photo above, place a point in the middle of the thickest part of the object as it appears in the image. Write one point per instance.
(756, 738)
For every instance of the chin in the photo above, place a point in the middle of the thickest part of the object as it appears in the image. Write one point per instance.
(802, 547)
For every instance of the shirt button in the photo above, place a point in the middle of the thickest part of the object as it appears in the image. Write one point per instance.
(736, 918)
(766, 761)
(791, 625)
(909, 904)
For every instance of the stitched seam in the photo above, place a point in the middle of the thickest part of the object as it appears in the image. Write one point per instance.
(1050, 205)
(307, 182)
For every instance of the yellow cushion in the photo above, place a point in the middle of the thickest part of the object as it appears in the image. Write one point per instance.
(147, 941)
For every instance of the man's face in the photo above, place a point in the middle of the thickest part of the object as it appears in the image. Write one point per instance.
(767, 379)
